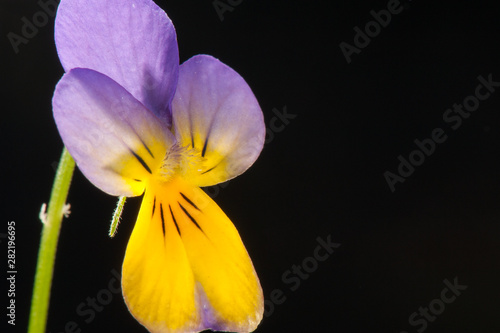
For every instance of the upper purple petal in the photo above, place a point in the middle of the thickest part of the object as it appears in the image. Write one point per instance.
(116, 142)
(132, 42)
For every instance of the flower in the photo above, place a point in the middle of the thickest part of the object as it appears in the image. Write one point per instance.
(138, 123)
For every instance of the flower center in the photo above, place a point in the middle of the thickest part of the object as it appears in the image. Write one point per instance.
(181, 160)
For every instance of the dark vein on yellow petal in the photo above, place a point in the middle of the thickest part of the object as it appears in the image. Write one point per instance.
(204, 147)
(141, 161)
(175, 221)
(190, 202)
(208, 170)
(215, 166)
(154, 206)
(162, 220)
(147, 148)
(190, 217)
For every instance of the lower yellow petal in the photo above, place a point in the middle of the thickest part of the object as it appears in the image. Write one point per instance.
(186, 268)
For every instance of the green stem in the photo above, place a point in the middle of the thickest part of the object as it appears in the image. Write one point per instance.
(48, 244)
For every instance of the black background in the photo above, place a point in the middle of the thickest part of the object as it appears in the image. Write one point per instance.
(321, 175)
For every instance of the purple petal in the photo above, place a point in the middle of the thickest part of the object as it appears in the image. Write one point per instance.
(116, 142)
(132, 42)
(216, 113)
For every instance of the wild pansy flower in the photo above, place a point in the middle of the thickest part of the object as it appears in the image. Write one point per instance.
(138, 123)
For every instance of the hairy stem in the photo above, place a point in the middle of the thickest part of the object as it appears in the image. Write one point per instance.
(48, 244)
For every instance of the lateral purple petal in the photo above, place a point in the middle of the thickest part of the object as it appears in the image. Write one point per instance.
(116, 142)
(132, 42)
(215, 111)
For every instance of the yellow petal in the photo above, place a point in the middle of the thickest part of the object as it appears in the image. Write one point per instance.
(186, 268)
